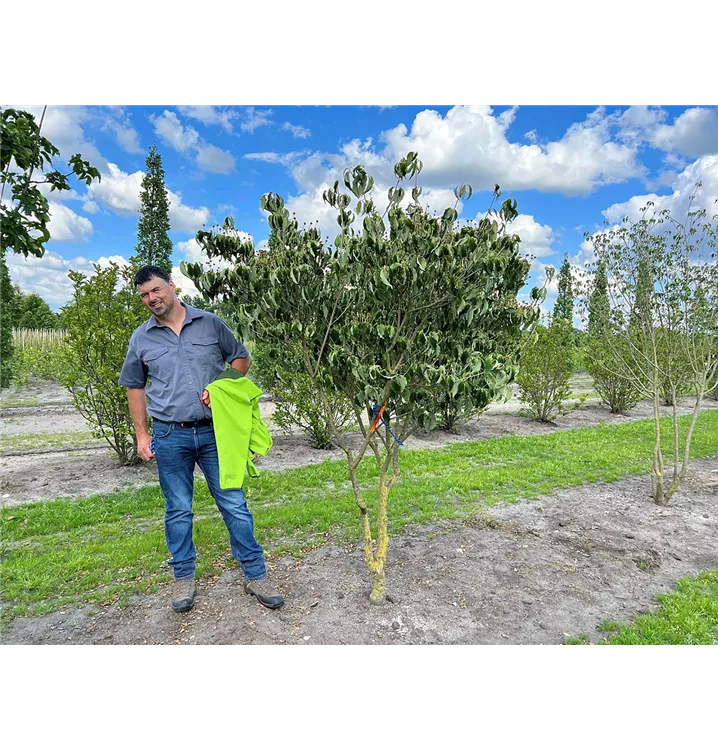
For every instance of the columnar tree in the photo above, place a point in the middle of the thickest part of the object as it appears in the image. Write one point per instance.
(154, 247)
(391, 316)
(563, 309)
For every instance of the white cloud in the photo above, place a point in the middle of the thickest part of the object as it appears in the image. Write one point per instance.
(185, 139)
(118, 260)
(210, 115)
(635, 122)
(58, 195)
(507, 117)
(127, 137)
(185, 286)
(271, 157)
(254, 118)
(172, 132)
(66, 226)
(694, 133)
(632, 207)
(297, 130)
(469, 144)
(213, 159)
(184, 218)
(90, 207)
(120, 192)
(63, 126)
(191, 251)
(47, 276)
(540, 270)
(704, 170)
(119, 123)
(585, 255)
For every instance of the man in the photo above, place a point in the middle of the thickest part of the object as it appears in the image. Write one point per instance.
(183, 349)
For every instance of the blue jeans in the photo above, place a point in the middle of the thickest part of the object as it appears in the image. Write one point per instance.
(176, 450)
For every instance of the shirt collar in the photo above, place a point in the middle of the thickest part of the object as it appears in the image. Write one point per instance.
(190, 314)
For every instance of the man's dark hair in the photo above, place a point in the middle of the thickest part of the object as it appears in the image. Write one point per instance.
(147, 273)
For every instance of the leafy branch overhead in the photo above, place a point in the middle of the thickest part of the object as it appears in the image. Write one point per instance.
(24, 153)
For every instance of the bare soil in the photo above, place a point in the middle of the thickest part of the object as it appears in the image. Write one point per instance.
(529, 573)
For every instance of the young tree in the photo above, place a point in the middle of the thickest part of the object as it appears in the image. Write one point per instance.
(100, 319)
(18, 305)
(663, 281)
(297, 402)
(547, 364)
(36, 313)
(389, 316)
(599, 305)
(154, 247)
(617, 391)
(563, 309)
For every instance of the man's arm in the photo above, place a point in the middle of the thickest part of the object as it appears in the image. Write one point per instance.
(138, 412)
(241, 364)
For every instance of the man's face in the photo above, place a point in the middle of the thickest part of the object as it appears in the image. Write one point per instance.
(158, 296)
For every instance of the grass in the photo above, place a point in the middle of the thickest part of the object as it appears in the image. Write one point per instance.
(106, 547)
(14, 403)
(687, 616)
(32, 441)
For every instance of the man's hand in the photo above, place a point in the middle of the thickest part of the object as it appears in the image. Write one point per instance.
(144, 447)
(204, 398)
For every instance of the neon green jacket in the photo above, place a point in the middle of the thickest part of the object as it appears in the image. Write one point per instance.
(238, 428)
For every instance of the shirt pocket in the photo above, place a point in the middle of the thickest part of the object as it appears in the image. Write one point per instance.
(153, 360)
(208, 351)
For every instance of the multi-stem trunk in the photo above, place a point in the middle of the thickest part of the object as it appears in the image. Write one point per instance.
(375, 551)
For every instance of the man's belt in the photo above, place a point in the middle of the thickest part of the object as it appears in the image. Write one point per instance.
(198, 423)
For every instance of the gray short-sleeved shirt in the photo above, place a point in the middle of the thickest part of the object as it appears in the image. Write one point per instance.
(179, 367)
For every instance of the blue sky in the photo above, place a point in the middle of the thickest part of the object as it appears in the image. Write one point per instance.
(570, 168)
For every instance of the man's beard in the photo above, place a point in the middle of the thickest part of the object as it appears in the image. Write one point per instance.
(163, 310)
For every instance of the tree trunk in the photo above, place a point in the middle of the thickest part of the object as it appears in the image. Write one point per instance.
(378, 562)
(378, 586)
(657, 468)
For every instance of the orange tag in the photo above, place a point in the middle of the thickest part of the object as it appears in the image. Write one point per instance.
(377, 419)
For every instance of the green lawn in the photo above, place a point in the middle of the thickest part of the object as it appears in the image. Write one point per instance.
(105, 547)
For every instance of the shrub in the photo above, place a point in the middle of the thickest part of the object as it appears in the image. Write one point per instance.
(604, 365)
